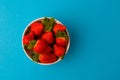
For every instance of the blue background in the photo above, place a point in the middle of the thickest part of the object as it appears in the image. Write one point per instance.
(94, 27)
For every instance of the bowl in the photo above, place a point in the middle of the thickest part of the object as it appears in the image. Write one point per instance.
(45, 41)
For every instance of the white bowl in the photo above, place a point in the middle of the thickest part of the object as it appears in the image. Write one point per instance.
(67, 48)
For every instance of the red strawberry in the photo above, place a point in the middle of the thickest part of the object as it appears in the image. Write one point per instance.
(47, 58)
(59, 50)
(41, 46)
(27, 38)
(59, 27)
(48, 36)
(37, 28)
(61, 41)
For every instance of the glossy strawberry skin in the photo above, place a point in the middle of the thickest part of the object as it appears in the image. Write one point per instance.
(47, 58)
(27, 38)
(41, 46)
(59, 27)
(37, 28)
(48, 36)
(59, 50)
(61, 41)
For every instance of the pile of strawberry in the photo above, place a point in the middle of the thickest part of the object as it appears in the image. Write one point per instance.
(45, 40)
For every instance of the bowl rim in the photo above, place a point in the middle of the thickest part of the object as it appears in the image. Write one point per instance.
(57, 21)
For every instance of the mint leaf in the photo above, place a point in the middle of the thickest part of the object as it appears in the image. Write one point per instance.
(31, 44)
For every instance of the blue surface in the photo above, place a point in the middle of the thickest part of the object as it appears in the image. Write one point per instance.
(94, 27)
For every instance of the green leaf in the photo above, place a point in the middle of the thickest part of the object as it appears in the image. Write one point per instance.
(42, 21)
(31, 44)
(48, 23)
(35, 56)
(61, 34)
(52, 21)
(46, 19)
(48, 28)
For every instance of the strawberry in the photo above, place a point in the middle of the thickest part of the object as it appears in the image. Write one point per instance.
(59, 50)
(27, 38)
(47, 58)
(61, 38)
(41, 46)
(59, 27)
(48, 36)
(61, 41)
(37, 28)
